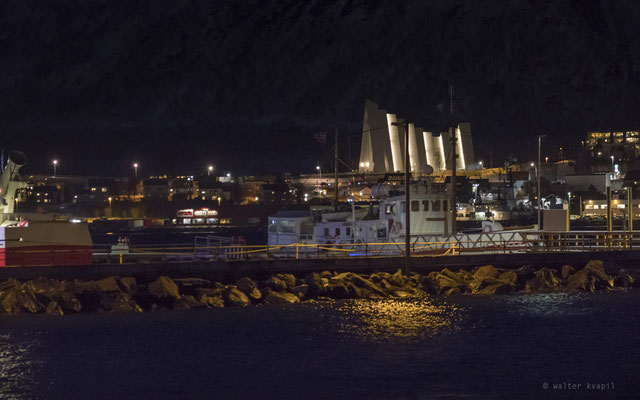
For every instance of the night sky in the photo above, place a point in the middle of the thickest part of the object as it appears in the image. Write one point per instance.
(176, 84)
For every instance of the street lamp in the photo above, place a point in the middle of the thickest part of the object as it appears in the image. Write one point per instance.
(55, 165)
(612, 167)
(320, 171)
(135, 168)
(209, 169)
(481, 168)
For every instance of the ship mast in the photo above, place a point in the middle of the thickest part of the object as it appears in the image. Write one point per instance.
(454, 159)
(335, 169)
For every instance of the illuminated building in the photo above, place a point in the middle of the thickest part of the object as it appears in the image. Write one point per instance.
(382, 147)
(623, 146)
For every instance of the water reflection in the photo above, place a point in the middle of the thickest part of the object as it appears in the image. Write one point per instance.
(396, 319)
(18, 367)
(547, 304)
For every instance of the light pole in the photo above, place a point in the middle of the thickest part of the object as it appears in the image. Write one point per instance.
(209, 170)
(320, 171)
(135, 168)
(55, 166)
(481, 169)
(538, 173)
(612, 167)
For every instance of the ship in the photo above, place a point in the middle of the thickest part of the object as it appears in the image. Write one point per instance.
(36, 240)
(379, 227)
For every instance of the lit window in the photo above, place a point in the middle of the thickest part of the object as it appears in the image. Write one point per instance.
(104, 189)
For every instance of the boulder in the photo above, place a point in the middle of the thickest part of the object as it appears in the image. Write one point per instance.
(448, 282)
(300, 290)
(277, 284)
(18, 300)
(566, 271)
(628, 278)
(487, 271)
(163, 287)
(317, 284)
(121, 302)
(211, 301)
(354, 291)
(325, 274)
(401, 294)
(338, 291)
(187, 302)
(105, 285)
(236, 298)
(496, 286)
(544, 280)
(247, 285)
(281, 298)
(128, 285)
(509, 277)
(189, 285)
(289, 279)
(525, 272)
(364, 283)
(53, 308)
(596, 268)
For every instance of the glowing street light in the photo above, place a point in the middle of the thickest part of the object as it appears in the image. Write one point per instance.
(55, 166)
(320, 171)
(209, 169)
(612, 167)
(135, 168)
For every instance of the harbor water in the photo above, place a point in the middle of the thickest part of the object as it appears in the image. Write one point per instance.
(555, 345)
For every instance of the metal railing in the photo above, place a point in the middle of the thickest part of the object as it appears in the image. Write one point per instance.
(504, 242)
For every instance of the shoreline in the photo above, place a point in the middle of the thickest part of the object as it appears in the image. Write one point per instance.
(128, 294)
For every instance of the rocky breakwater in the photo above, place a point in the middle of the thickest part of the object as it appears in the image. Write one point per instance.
(489, 280)
(126, 294)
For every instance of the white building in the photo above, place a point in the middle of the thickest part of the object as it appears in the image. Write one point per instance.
(382, 148)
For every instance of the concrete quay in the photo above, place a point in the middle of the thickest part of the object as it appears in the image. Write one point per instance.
(258, 269)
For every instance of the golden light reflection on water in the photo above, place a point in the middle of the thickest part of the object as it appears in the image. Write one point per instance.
(396, 319)
(17, 368)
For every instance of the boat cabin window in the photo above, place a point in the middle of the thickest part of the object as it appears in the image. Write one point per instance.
(435, 205)
(382, 232)
(415, 205)
(425, 205)
(326, 231)
(388, 209)
(444, 205)
(337, 231)
(348, 231)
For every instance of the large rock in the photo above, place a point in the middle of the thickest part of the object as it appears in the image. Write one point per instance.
(234, 297)
(544, 280)
(300, 290)
(106, 285)
(509, 277)
(592, 277)
(566, 271)
(628, 278)
(277, 284)
(120, 302)
(289, 279)
(187, 302)
(317, 284)
(338, 291)
(53, 308)
(211, 301)
(128, 285)
(246, 284)
(487, 271)
(18, 300)
(163, 287)
(190, 285)
(596, 268)
(364, 283)
(281, 298)
(448, 282)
